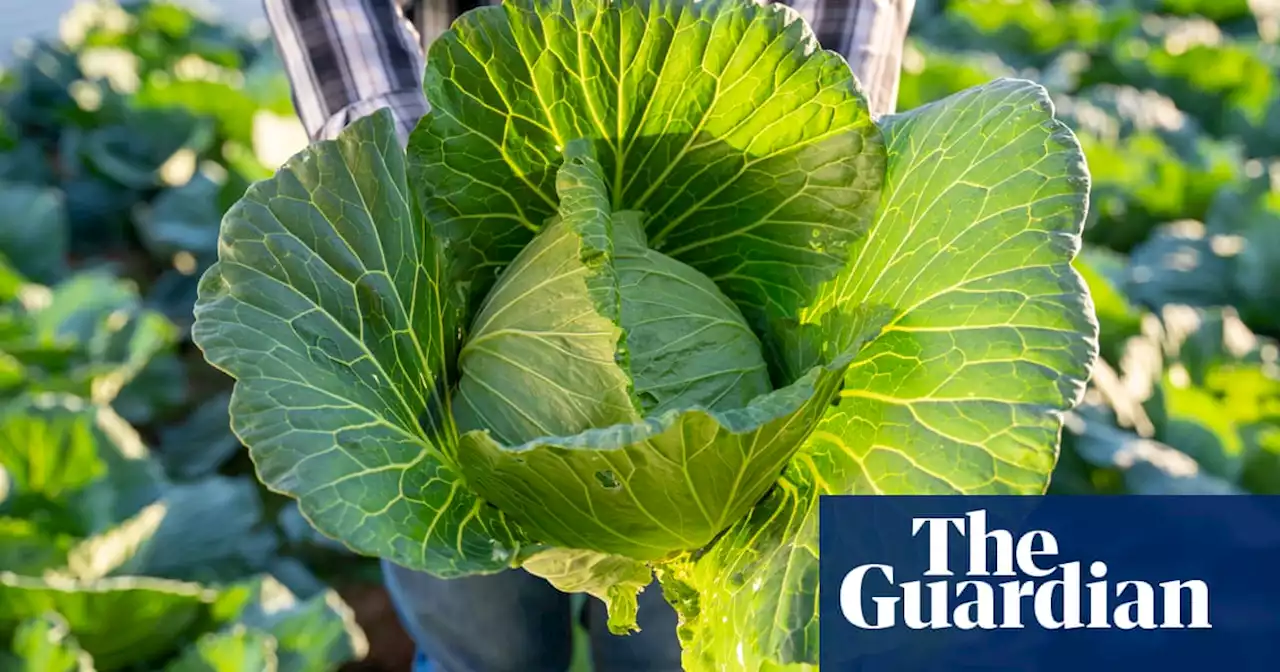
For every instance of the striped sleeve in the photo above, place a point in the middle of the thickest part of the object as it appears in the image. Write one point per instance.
(348, 58)
(870, 34)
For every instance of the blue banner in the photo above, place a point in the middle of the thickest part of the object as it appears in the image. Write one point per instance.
(1042, 584)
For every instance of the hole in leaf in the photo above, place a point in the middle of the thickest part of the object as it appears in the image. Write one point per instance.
(648, 401)
(607, 479)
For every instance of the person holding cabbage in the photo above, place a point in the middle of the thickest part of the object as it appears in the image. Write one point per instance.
(347, 59)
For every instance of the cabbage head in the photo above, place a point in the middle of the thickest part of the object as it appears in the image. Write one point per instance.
(648, 281)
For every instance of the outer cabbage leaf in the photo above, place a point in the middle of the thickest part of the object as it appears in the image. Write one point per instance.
(962, 392)
(44, 644)
(33, 231)
(118, 621)
(750, 149)
(48, 454)
(209, 530)
(89, 336)
(318, 634)
(236, 649)
(327, 308)
(613, 579)
(78, 469)
(26, 548)
(202, 442)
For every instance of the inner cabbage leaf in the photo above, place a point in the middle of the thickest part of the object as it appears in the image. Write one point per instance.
(615, 479)
(589, 327)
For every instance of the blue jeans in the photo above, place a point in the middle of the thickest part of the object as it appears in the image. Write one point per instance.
(517, 622)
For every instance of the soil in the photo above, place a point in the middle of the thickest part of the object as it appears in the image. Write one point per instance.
(390, 649)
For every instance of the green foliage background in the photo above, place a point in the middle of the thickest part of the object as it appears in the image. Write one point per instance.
(123, 142)
(1177, 106)
(133, 534)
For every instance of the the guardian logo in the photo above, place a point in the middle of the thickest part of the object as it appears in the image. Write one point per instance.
(1037, 591)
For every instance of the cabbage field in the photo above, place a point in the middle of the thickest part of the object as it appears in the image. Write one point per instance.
(1176, 104)
(134, 533)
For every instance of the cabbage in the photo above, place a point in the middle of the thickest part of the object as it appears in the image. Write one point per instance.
(589, 327)
(647, 282)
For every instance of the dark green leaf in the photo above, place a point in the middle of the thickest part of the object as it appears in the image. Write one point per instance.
(119, 622)
(132, 154)
(27, 549)
(1147, 467)
(314, 635)
(44, 645)
(210, 532)
(33, 232)
(325, 305)
(183, 219)
(202, 442)
(237, 649)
